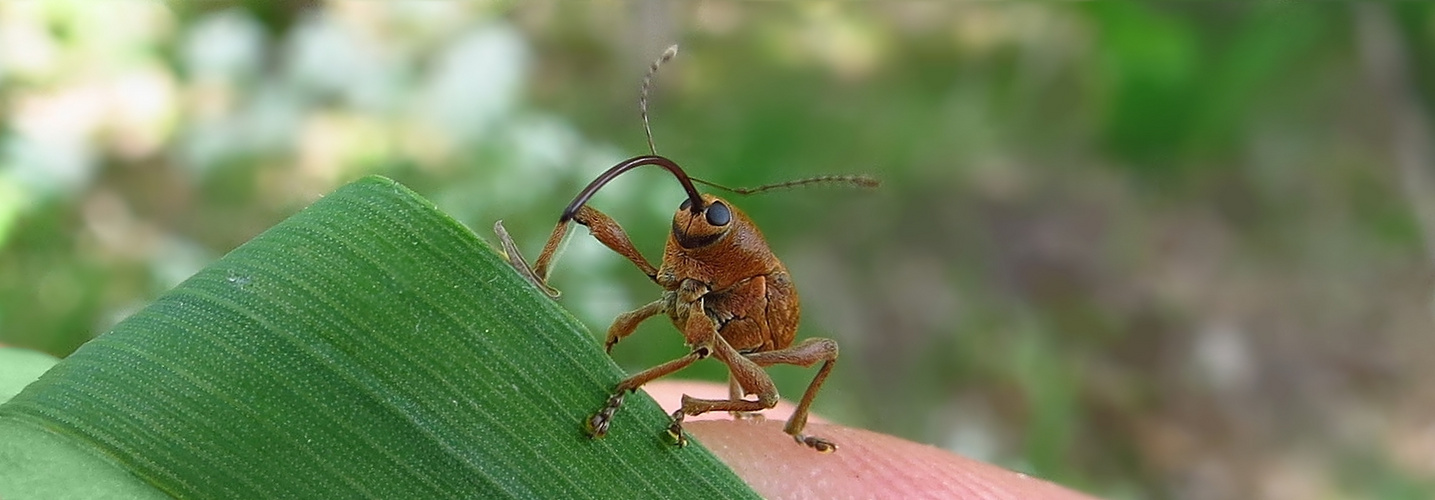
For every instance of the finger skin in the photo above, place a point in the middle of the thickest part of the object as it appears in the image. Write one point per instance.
(866, 464)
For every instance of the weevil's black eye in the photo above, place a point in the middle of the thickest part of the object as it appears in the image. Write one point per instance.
(718, 214)
(687, 204)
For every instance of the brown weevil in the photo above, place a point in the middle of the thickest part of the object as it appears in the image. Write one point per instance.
(722, 288)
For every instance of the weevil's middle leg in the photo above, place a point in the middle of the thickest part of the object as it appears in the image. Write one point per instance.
(597, 425)
(625, 323)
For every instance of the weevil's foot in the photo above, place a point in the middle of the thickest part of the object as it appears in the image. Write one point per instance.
(747, 415)
(816, 443)
(515, 259)
(597, 425)
(676, 437)
(675, 430)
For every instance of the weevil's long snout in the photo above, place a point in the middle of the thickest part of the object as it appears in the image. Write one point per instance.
(695, 199)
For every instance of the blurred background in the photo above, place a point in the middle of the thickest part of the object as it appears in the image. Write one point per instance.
(1149, 251)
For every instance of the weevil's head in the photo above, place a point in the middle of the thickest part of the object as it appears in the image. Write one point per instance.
(707, 224)
(717, 244)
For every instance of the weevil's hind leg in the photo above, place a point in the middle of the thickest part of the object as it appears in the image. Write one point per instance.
(734, 393)
(805, 354)
(539, 276)
(749, 377)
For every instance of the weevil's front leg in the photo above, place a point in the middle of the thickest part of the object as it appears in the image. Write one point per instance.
(807, 353)
(603, 228)
(608, 232)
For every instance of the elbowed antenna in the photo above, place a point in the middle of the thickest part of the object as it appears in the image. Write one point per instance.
(638, 161)
(643, 95)
(859, 181)
(629, 164)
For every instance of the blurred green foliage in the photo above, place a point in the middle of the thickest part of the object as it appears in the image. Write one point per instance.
(1150, 251)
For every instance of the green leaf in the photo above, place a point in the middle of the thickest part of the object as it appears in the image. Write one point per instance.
(369, 346)
(20, 367)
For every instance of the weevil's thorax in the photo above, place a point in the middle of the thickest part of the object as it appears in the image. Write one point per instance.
(718, 246)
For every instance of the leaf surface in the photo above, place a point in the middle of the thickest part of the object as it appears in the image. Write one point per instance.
(369, 346)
